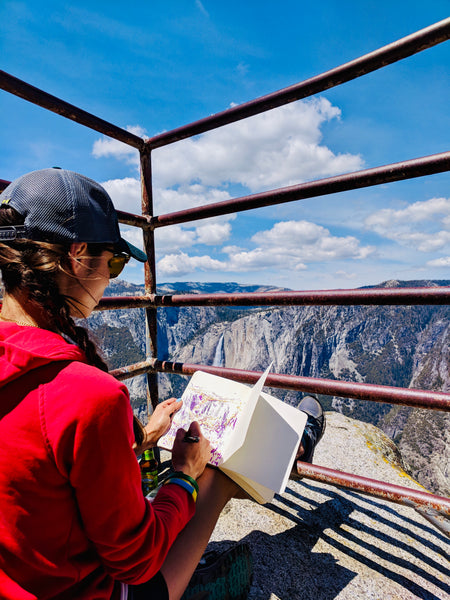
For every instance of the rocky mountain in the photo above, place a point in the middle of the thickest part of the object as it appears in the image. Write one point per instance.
(389, 345)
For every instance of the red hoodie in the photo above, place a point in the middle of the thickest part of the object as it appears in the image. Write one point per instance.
(72, 515)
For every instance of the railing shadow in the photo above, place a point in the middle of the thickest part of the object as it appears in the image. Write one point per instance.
(286, 565)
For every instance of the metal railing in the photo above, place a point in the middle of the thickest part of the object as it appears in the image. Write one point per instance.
(418, 167)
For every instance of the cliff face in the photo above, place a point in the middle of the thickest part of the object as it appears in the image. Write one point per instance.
(399, 346)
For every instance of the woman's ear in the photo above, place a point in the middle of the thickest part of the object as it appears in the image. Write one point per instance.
(77, 251)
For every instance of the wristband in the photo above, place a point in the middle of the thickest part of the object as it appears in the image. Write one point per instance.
(181, 475)
(184, 484)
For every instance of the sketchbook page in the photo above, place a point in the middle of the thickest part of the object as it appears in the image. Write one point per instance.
(297, 420)
(258, 492)
(216, 403)
(252, 394)
(270, 445)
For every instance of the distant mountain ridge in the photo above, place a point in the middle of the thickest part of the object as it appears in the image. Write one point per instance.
(389, 345)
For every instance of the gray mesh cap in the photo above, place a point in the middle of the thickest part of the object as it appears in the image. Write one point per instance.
(63, 206)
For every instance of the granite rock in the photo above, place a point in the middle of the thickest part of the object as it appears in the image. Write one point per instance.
(318, 542)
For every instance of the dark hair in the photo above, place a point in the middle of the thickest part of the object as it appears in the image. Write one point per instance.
(31, 267)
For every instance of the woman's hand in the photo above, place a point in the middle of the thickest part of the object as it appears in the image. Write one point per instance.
(159, 423)
(191, 457)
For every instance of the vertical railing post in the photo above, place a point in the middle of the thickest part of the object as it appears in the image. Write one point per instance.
(150, 275)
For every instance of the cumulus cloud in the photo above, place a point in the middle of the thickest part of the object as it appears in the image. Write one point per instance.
(278, 148)
(175, 265)
(125, 193)
(422, 225)
(213, 234)
(113, 148)
(132, 235)
(170, 239)
(310, 242)
(126, 196)
(435, 208)
(443, 261)
(287, 245)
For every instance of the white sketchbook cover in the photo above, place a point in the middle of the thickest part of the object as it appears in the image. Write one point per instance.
(254, 436)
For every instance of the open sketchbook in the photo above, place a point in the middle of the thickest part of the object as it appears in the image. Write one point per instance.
(254, 436)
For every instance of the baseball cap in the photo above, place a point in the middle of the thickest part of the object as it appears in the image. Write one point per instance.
(63, 206)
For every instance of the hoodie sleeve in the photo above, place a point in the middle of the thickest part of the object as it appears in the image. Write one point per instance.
(87, 421)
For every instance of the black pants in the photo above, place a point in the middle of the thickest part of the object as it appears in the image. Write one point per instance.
(155, 589)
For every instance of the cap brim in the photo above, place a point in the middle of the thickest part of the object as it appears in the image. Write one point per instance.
(133, 251)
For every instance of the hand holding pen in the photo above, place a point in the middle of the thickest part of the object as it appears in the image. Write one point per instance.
(191, 451)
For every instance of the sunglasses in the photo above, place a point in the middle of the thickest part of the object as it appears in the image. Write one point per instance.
(117, 263)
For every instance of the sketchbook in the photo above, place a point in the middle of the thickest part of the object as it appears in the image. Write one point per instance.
(254, 436)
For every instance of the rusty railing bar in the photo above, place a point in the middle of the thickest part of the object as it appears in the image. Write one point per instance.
(151, 318)
(358, 297)
(402, 48)
(127, 218)
(416, 167)
(328, 387)
(394, 493)
(3, 184)
(373, 487)
(129, 371)
(32, 94)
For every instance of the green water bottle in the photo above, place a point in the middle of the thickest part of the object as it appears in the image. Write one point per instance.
(149, 471)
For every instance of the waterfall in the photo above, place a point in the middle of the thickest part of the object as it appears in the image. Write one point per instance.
(219, 355)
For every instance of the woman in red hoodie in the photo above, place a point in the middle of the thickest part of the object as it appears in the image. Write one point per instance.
(73, 520)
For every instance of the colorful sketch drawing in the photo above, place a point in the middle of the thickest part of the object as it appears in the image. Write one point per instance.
(216, 414)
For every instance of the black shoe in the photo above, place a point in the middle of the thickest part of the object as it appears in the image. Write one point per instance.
(222, 575)
(313, 432)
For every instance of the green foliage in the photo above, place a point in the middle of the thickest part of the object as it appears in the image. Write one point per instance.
(118, 346)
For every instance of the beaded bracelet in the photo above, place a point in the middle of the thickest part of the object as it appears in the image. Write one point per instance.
(184, 484)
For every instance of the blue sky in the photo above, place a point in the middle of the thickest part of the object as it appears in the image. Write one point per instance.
(153, 66)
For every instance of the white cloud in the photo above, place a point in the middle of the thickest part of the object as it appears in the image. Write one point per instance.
(175, 237)
(415, 213)
(213, 234)
(125, 194)
(444, 261)
(288, 245)
(310, 242)
(107, 147)
(170, 239)
(425, 242)
(132, 235)
(277, 148)
(175, 265)
(417, 226)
